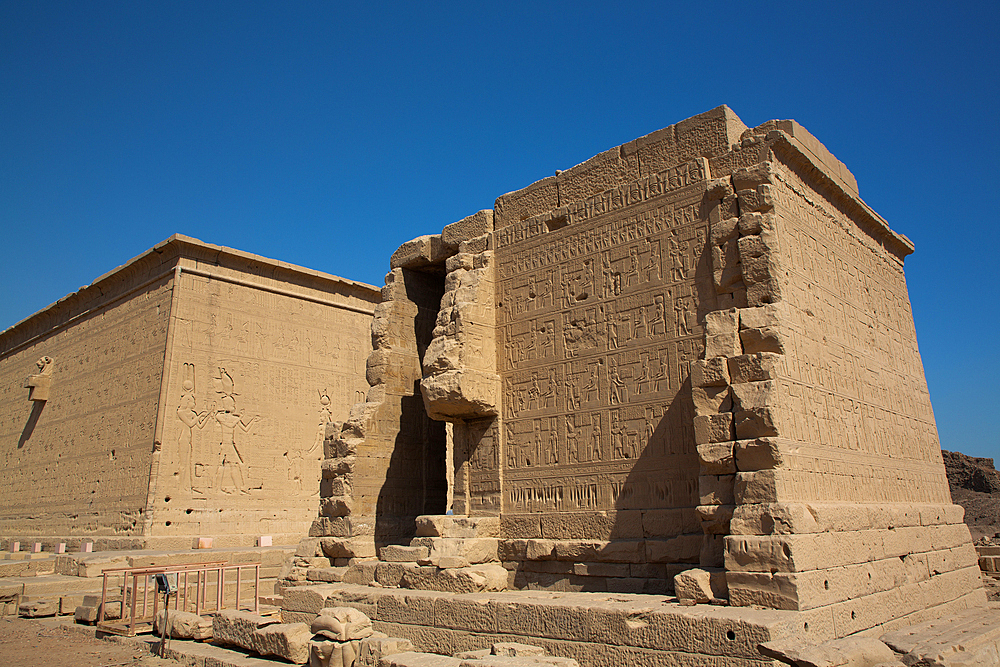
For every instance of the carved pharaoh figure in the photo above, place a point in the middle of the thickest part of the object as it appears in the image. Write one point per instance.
(230, 471)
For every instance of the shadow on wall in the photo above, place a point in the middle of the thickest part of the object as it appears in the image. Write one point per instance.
(29, 426)
(415, 479)
(663, 482)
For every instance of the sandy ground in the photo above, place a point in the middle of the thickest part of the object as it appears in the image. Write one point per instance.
(29, 643)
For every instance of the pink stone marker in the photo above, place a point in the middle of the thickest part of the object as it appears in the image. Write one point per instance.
(264, 541)
(61, 548)
(15, 546)
(86, 547)
(36, 548)
(204, 543)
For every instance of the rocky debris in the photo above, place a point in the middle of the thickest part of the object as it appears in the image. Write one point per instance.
(183, 625)
(975, 485)
(846, 652)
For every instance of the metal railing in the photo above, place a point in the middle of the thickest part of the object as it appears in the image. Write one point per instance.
(140, 600)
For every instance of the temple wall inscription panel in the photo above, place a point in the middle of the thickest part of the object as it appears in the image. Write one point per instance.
(598, 311)
(254, 377)
(80, 461)
(856, 391)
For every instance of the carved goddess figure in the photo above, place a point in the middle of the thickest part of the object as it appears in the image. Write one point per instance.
(189, 416)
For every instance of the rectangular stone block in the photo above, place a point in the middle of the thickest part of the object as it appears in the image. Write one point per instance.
(711, 400)
(605, 525)
(711, 372)
(714, 428)
(680, 549)
(716, 458)
(669, 522)
(716, 489)
(614, 551)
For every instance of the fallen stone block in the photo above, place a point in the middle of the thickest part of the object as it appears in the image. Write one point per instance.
(846, 652)
(183, 625)
(238, 627)
(474, 579)
(342, 624)
(285, 640)
(38, 608)
(698, 586)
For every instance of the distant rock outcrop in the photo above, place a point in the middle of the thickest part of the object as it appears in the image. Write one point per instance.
(975, 485)
(971, 473)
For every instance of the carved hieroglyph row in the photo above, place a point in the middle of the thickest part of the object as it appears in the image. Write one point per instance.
(598, 320)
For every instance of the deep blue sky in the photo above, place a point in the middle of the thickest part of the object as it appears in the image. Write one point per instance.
(325, 134)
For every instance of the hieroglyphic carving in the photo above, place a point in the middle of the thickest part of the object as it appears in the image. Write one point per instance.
(83, 463)
(590, 374)
(854, 373)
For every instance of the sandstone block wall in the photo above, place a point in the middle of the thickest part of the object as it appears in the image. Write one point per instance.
(190, 394)
(812, 400)
(704, 356)
(79, 462)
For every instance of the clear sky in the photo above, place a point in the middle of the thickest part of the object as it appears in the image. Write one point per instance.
(327, 133)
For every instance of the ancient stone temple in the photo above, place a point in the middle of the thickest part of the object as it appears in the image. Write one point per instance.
(693, 351)
(184, 394)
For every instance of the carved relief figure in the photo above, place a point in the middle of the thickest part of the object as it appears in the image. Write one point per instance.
(633, 266)
(619, 393)
(188, 414)
(681, 313)
(572, 444)
(299, 462)
(677, 269)
(653, 263)
(229, 472)
(594, 450)
(659, 325)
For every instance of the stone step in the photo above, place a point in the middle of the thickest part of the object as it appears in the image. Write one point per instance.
(27, 567)
(969, 637)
